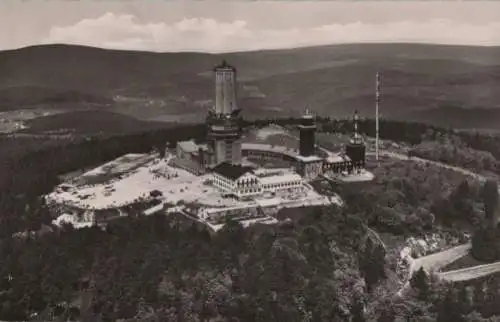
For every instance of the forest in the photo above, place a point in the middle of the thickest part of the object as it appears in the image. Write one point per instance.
(163, 269)
(156, 267)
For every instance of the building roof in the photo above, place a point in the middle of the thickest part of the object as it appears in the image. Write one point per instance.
(280, 178)
(262, 172)
(224, 65)
(231, 171)
(270, 148)
(310, 158)
(336, 158)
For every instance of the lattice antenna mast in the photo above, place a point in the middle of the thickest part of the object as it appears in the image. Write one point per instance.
(377, 125)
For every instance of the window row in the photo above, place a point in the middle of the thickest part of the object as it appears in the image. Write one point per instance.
(282, 185)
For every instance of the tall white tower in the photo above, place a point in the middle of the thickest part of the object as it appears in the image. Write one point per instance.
(224, 120)
(225, 89)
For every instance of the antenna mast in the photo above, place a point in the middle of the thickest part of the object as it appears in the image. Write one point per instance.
(377, 100)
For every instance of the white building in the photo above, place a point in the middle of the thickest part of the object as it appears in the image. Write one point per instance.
(281, 181)
(244, 182)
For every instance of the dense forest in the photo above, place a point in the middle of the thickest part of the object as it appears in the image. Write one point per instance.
(412, 198)
(486, 239)
(153, 266)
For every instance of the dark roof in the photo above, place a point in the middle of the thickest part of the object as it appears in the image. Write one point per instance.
(224, 65)
(231, 171)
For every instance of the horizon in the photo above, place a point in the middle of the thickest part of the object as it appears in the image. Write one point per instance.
(249, 51)
(224, 27)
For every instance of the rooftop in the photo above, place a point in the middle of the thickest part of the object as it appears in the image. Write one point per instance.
(334, 158)
(262, 172)
(231, 171)
(279, 178)
(270, 148)
(224, 65)
(310, 158)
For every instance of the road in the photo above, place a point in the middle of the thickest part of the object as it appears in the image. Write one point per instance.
(400, 156)
(434, 262)
(470, 272)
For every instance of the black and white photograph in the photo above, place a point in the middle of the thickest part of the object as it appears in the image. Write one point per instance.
(241, 161)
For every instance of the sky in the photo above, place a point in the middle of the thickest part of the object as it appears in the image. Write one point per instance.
(221, 26)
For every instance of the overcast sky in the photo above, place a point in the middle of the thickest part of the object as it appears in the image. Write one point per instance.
(216, 26)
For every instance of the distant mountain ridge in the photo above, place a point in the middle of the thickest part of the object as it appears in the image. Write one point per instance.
(332, 80)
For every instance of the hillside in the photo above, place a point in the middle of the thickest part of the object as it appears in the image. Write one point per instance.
(460, 118)
(321, 261)
(332, 80)
(88, 123)
(25, 96)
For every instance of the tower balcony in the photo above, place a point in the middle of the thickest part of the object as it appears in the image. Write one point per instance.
(307, 127)
(223, 119)
(218, 131)
(307, 122)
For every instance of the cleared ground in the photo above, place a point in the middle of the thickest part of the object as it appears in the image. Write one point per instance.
(113, 169)
(173, 183)
(133, 178)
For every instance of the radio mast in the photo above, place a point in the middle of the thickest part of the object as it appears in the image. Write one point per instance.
(377, 101)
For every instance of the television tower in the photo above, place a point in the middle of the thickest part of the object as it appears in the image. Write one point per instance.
(377, 102)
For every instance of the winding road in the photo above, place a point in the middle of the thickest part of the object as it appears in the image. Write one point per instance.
(434, 262)
(468, 273)
(404, 157)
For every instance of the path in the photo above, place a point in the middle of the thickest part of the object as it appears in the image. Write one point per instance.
(400, 156)
(470, 272)
(434, 262)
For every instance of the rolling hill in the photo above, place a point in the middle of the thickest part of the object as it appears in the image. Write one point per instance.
(25, 96)
(419, 81)
(89, 122)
